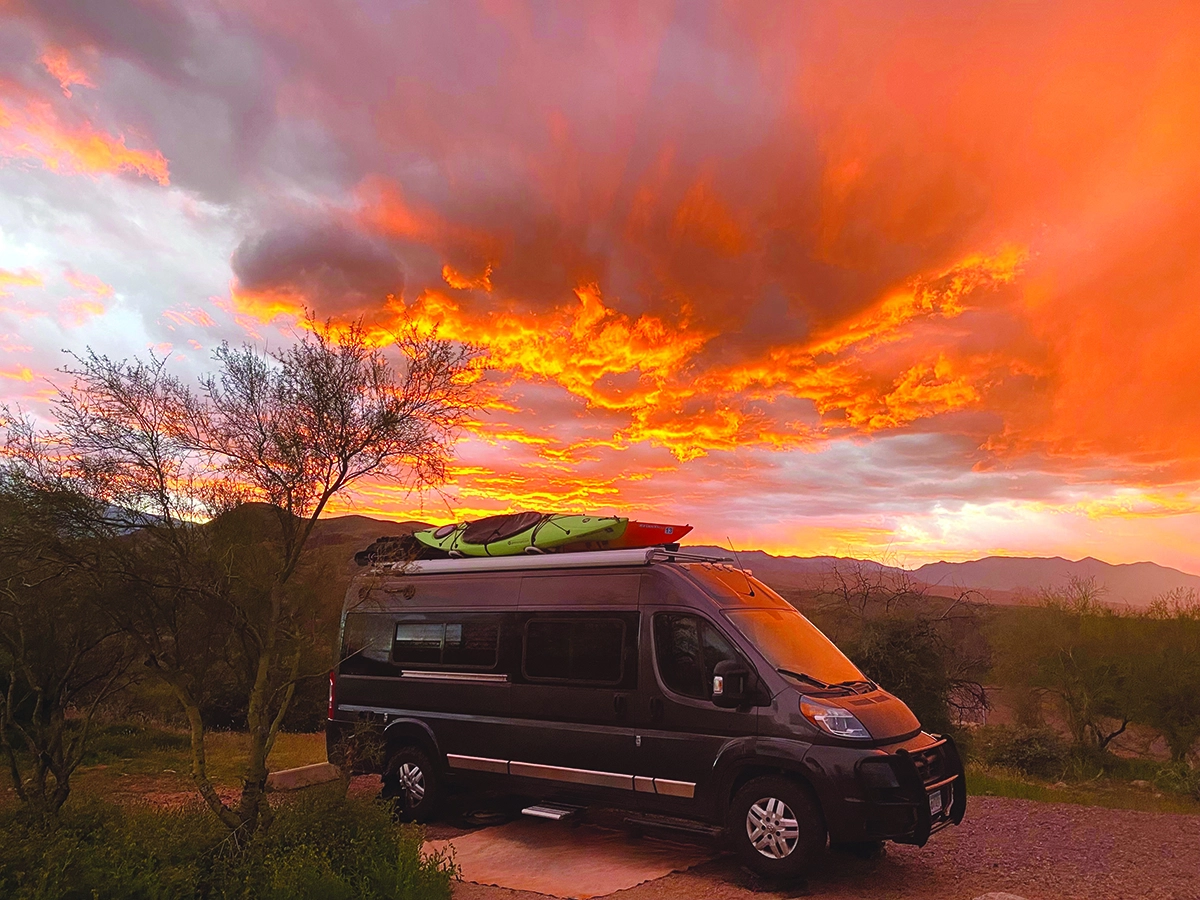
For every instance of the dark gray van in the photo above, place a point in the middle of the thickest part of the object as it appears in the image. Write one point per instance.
(659, 682)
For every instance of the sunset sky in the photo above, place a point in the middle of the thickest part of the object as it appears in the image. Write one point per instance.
(911, 281)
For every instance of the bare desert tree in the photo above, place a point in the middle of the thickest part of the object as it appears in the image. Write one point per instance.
(291, 430)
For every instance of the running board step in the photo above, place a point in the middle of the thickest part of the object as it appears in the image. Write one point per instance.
(555, 811)
(651, 822)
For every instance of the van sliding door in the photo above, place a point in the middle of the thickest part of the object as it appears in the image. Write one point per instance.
(570, 699)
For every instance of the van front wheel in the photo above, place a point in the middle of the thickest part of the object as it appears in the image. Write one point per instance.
(412, 784)
(776, 826)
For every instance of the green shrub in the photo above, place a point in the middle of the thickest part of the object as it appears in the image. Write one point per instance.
(333, 849)
(314, 851)
(1034, 751)
(98, 851)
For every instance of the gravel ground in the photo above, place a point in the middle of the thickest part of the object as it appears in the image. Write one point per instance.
(1035, 850)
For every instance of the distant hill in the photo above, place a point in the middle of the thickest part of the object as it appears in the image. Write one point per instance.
(1133, 583)
(1001, 579)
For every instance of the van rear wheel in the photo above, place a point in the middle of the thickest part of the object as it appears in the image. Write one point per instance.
(413, 785)
(776, 826)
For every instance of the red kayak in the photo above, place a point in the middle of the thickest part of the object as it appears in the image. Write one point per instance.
(636, 534)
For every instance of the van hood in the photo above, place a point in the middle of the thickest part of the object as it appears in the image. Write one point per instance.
(883, 715)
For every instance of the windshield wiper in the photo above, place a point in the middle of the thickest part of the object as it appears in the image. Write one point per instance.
(800, 676)
(853, 684)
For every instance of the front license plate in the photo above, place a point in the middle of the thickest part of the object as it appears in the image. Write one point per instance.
(935, 803)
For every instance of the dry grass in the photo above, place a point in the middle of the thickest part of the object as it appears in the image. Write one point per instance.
(141, 770)
(1107, 792)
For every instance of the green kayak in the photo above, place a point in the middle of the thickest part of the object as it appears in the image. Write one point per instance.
(514, 534)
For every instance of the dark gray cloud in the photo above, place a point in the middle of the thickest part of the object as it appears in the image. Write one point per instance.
(336, 269)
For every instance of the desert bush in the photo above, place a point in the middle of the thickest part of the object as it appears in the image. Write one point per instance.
(927, 651)
(1180, 778)
(331, 849)
(1076, 651)
(1167, 677)
(97, 850)
(1104, 668)
(1034, 751)
(313, 851)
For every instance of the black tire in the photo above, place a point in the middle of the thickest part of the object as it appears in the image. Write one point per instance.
(413, 785)
(776, 826)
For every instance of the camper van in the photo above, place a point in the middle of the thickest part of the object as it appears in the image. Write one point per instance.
(672, 686)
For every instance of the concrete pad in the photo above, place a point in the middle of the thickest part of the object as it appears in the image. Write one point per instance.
(305, 776)
(563, 860)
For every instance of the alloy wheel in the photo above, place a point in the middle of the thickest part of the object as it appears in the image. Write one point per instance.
(412, 783)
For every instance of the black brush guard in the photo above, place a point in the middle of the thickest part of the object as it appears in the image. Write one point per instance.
(901, 813)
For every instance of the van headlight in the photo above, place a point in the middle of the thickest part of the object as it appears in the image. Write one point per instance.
(833, 719)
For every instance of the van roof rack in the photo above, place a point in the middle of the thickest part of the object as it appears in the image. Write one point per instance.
(589, 559)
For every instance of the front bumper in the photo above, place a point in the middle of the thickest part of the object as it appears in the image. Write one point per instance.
(903, 789)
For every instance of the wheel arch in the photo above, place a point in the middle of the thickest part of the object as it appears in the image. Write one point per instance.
(413, 732)
(742, 760)
(746, 773)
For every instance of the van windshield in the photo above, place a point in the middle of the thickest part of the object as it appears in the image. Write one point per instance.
(794, 645)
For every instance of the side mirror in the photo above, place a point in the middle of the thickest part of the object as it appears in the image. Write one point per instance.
(731, 684)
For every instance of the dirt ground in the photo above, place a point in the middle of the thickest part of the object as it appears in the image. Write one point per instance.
(1040, 851)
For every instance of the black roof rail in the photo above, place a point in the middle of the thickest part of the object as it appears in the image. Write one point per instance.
(588, 559)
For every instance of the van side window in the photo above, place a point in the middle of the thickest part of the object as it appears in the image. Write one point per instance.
(688, 649)
(465, 643)
(580, 650)
(365, 645)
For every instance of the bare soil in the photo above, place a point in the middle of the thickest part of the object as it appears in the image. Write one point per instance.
(1040, 851)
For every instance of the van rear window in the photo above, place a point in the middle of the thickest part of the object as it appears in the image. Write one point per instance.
(580, 650)
(467, 644)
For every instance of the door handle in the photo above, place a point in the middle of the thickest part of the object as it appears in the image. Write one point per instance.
(656, 708)
(620, 705)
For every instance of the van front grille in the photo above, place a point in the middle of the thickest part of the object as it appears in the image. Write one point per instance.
(931, 764)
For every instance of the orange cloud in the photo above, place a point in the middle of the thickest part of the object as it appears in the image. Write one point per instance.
(191, 316)
(20, 373)
(20, 278)
(75, 311)
(33, 130)
(461, 282)
(59, 64)
(90, 283)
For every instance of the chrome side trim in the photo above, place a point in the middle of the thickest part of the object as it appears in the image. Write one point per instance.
(675, 788)
(643, 785)
(461, 677)
(572, 776)
(477, 763)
